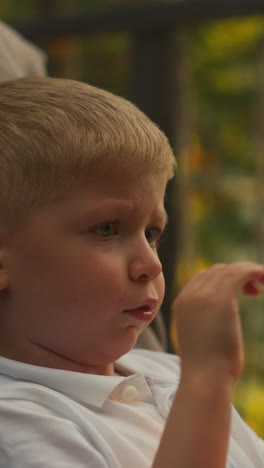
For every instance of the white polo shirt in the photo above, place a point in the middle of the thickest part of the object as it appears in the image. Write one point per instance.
(53, 418)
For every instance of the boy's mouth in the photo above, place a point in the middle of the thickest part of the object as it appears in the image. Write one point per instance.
(143, 313)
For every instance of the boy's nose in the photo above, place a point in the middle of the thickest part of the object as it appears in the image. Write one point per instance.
(145, 264)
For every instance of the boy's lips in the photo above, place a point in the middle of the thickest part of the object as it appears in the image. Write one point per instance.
(143, 312)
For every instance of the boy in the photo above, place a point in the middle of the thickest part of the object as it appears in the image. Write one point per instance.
(83, 176)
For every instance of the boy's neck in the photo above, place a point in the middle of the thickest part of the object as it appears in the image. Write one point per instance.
(32, 354)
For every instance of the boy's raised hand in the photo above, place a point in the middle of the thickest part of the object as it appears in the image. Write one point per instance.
(208, 324)
(211, 348)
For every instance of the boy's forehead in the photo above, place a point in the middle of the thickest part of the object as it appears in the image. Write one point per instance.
(89, 204)
(120, 184)
(105, 193)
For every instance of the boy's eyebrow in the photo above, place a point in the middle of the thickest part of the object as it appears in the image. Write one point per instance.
(105, 205)
(102, 207)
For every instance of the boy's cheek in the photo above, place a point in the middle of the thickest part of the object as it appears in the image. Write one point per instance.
(161, 288)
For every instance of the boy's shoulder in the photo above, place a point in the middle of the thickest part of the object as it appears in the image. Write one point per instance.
(154, 364)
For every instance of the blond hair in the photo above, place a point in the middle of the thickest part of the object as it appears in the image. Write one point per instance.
(52, 129)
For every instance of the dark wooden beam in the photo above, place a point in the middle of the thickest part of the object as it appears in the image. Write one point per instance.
(138, 17)
(157, 88)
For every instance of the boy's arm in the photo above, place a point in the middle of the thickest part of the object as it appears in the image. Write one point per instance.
(210, 342)
(196, 433)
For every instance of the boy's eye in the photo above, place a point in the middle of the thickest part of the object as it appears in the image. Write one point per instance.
(153, 235)
(107, 229)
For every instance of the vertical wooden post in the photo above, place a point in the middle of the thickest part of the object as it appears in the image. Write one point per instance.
(157, 83)
(254, 322)
(259, 159)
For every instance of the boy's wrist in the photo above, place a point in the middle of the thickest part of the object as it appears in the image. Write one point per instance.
(208, 380)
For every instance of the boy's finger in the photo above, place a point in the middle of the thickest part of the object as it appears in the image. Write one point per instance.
(244, 277)
(247, 277)
(226, 280)
(208, 274)
(253, 287)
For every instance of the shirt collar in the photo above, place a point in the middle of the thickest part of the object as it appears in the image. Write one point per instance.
(90, 388)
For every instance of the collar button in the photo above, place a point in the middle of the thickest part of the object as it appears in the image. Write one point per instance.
(129, 393)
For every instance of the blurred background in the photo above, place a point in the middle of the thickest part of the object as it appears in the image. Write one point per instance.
(197, 70)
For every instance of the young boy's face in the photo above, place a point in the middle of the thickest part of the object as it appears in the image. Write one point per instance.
(84, 275)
